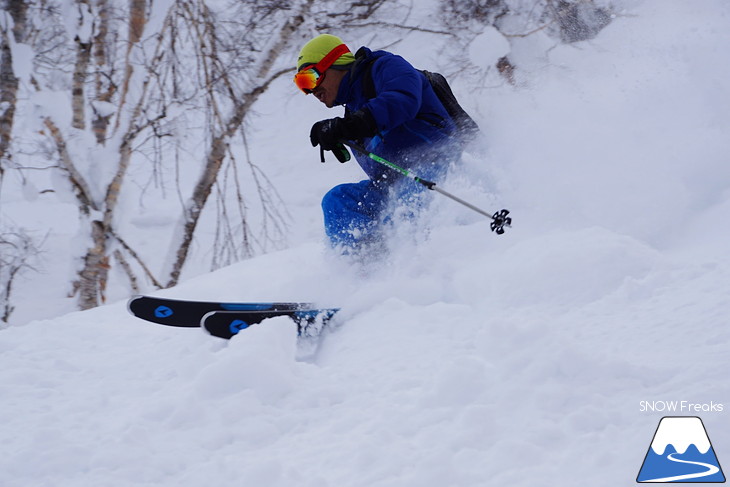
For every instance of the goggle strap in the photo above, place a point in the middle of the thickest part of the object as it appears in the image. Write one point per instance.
(330, 58)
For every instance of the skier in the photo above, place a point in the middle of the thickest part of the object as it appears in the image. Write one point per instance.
(390, 109)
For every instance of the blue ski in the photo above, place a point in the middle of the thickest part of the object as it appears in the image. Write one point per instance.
(185, 313)
(226, 324)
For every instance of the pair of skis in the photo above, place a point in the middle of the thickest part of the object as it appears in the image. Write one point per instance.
(224, 320)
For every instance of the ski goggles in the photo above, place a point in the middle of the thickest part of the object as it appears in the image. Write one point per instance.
(312, 75)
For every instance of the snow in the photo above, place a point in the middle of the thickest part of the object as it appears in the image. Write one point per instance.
(488, 46)
(463, 358)
(22, 61)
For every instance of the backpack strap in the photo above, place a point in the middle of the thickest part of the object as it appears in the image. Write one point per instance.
(365, 66)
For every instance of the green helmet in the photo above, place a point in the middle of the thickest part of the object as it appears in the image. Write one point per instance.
(316, 49)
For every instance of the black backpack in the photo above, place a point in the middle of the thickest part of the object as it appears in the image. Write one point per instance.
(466, 128)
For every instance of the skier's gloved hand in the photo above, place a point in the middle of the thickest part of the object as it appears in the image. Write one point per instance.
(329, 133)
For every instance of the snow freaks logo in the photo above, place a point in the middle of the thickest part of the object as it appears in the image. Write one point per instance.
(680, 407)
(680, 452)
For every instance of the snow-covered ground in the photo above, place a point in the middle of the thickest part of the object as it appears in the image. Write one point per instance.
(464, 358)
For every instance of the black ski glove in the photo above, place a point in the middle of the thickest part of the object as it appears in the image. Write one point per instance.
(330, 133)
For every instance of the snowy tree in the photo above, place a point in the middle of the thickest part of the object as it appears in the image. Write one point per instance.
(154, 92)
(568, 21)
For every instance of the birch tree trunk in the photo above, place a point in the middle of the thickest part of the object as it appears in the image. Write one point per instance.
(8, 99)
(104, 88)
(8, 81)
(99, 213)
(92, 280)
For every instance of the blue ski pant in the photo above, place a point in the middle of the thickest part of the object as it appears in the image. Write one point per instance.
(355, 212)
(352, 211)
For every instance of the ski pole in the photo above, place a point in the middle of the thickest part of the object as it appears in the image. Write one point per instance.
(499, 218)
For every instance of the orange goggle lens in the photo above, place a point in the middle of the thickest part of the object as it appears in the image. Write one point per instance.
(307, 79)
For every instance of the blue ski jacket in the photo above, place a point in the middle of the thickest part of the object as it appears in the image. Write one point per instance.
(414, 129)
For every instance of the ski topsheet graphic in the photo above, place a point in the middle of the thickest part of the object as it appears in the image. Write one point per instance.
(186, 313)
(681, 452)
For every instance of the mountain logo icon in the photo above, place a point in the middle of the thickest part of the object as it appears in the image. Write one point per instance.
(680, 452)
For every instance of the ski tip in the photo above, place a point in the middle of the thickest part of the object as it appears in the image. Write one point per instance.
(131, 301)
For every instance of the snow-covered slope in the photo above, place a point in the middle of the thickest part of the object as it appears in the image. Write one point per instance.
(463, 359)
